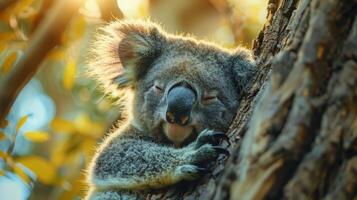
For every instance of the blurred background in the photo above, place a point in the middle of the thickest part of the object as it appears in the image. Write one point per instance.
(60, 115)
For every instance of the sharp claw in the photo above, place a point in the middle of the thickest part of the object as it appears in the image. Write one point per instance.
(202, 170)
(221, 150)
(222, 137)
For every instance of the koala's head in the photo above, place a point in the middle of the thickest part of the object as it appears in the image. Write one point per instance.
(180, 85)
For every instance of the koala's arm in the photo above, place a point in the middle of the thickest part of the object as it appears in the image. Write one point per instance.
(128, 162)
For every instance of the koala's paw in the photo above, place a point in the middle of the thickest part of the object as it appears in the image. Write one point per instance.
(207, 152)
(211, 137)
(196, 161)
(198, 156)
(204, 151)
(207, 146)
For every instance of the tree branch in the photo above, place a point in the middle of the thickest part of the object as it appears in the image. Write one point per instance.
(43, 40)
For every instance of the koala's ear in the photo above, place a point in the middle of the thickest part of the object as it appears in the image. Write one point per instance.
(124, 51)
(244, 68)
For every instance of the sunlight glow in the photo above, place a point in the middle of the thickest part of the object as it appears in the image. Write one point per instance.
(90, 9)
(134, 9)
(252, 9)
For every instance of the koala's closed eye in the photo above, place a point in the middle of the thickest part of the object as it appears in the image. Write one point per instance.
(158, 88)
(209, 97)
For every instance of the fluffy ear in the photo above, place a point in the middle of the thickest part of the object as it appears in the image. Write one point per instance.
(124, 51)
(244, 68)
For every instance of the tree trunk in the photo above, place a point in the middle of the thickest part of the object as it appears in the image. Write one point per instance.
(299, 134)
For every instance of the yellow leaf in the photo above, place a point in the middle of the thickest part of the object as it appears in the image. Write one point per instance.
(2, 135)
(22, 174)
(2, 172)
(78, 27)
(69, 75)
(62, 125)
(44, 170)
(8, 62)
(21, 122)
(37, 136)
(86, 126)
(3, 155)
(58, 153)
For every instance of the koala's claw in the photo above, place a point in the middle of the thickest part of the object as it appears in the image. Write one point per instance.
(222, 137)
(211, 137)
(202, 171)
(221, 150)
(191, 172)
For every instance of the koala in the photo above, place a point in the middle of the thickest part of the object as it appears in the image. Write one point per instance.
(181, 93)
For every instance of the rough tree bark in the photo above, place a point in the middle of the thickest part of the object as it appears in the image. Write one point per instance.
(297, 139)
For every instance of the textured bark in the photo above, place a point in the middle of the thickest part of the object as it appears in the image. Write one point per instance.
(296, 139)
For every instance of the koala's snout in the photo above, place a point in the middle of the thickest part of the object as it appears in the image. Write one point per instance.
(180, 100)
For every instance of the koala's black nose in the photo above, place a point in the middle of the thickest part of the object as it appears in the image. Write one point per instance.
(180, 100)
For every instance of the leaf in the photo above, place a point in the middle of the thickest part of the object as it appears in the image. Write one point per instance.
(3, 155)
(79, 26)
(86, 126)
(36, 136)
(2, 172)
(44, 170)
(21, 122)
(62, 125)
(8, 62)
(69, 75)
(22, 174)
(58, 153)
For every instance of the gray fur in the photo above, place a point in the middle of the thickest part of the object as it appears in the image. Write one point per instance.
(137, 56)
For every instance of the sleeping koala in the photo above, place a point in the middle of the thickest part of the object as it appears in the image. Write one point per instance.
(184, 95)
